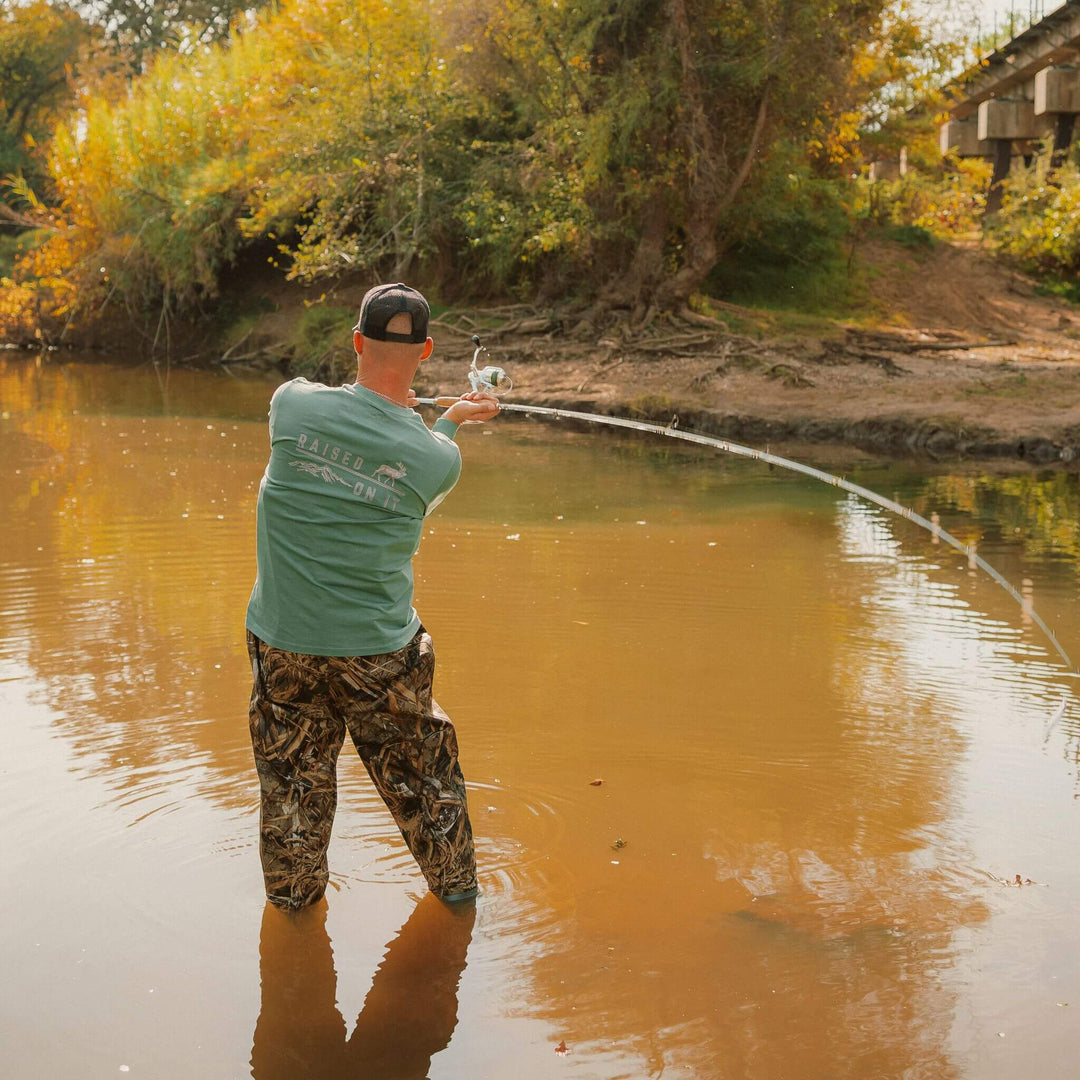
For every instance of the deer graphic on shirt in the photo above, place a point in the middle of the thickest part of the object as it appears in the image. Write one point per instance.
(390, 472)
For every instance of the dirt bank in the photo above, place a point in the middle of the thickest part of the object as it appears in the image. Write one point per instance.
(957, 355)
(951, 353)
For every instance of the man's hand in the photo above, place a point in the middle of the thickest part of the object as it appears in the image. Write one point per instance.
(474, 407)
(411, 399)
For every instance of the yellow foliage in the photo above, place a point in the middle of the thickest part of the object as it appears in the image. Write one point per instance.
(157, 190)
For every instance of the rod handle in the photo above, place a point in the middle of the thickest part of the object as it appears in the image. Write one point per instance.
(444, 401)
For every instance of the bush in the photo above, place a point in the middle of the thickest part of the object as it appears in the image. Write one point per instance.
(944, 204)
(1039, 221)
(322, 341)
(289, 129)
(915, 237)
(792, 242)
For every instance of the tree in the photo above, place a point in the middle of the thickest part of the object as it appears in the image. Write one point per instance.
(139, 28)
(607, 150)
(664, 110)
(39, 46)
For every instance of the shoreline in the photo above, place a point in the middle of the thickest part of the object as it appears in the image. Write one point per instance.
(951, 354)
(983, 410)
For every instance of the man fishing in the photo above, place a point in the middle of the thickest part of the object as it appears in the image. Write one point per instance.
(334, 641)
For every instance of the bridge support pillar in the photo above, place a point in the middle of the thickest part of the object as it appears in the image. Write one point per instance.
(961, 137)
(1002, 160)
(1008, 118)
(1057, 95)
(1057, 90)
(1063, 137)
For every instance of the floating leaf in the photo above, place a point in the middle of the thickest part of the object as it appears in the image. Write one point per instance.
(595, 783)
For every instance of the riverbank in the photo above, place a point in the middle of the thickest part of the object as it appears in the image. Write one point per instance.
(952, 354)
(948, 352)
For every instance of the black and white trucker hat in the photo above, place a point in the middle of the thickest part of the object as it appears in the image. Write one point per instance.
(383, 302)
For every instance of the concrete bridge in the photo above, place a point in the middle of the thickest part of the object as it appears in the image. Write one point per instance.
(1024, 91)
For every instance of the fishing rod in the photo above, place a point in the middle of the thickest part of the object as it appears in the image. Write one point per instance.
(495, 380)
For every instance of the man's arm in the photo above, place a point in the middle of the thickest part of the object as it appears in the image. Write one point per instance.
(474, 407)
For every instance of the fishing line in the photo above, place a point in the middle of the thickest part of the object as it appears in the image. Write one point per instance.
(495, 379)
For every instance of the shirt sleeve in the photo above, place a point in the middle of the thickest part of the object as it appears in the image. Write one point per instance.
(453, 474)
(445, 427)
(275, 404)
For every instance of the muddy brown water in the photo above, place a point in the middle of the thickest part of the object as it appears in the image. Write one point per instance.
(821, 741)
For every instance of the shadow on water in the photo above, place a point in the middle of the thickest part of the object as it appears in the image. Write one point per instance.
(409, 1014)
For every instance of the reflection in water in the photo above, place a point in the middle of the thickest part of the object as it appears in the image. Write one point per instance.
(408, 1016)
(817, 735)
(778, 834)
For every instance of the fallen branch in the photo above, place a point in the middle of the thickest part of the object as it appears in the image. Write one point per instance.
(948, 346)
(895, 343)
(603, 368)
(886, 363)
(506, 309)
(677, 341)
(702, 320)
(452, 328)
(526, 326)
(232, 348)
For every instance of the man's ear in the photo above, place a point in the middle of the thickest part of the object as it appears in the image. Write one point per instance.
(358, 342)
(429, 347)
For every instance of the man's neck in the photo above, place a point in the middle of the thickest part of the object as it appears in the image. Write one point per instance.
(392, 385)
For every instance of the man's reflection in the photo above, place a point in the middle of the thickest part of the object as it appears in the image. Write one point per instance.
(409, 1013)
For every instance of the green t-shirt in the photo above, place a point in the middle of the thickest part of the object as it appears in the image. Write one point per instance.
(341, 509)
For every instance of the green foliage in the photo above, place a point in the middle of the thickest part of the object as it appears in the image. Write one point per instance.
(321, 339)
(39, 44)
(608, 147)
(945, 202)
(792, 242)
(1039, 220)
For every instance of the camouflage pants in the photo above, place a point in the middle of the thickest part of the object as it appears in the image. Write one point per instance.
(301, 707)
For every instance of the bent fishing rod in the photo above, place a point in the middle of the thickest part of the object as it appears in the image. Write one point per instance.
(495, 380)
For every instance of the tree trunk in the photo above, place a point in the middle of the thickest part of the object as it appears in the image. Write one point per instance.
(710, 189)
(702, 250)
(642, 278)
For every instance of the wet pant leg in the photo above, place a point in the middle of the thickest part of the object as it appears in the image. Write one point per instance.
(296, 739)
(301, 706)
(410, 749)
